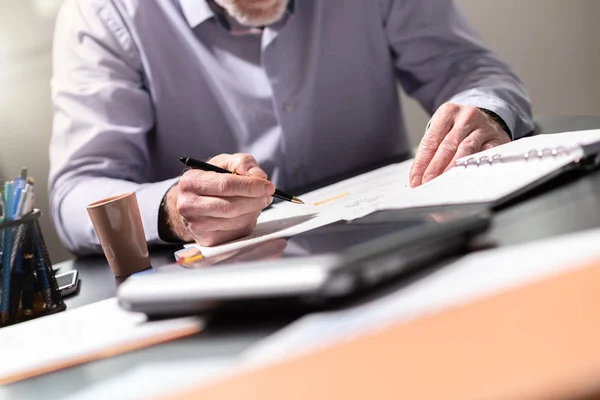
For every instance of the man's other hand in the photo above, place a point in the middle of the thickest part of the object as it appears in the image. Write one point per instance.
(454, 132)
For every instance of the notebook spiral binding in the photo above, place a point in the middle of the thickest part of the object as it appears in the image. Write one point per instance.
(498, 158)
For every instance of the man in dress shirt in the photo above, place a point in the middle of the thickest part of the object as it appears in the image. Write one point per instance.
(299, 91)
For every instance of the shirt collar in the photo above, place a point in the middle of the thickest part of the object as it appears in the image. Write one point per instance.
(197, 11)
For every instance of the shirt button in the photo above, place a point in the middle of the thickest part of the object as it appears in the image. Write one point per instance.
(289, 106)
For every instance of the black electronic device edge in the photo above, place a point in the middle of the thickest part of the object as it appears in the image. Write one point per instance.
(368, 265)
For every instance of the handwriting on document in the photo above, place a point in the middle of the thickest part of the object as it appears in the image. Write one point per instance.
(364, 201)
(330, 199)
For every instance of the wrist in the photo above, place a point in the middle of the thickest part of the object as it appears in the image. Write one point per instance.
(497, 119)
(170, 225)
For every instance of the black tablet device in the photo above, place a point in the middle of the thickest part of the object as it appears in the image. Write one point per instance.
(317, 267)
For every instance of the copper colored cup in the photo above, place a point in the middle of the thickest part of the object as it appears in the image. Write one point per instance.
(118, 224)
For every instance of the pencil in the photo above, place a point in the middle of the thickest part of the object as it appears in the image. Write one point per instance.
(204, 166)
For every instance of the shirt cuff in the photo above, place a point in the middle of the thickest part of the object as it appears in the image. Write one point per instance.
(149, 199)
(476, 98)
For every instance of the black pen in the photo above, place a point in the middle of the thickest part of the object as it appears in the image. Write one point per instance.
(204, 166)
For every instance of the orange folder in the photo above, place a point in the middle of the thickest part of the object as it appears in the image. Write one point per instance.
(540, 341)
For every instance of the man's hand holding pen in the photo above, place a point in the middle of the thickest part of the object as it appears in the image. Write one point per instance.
(212, 208)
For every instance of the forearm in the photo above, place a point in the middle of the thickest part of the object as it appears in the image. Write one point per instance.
(69, 198)
(440, 58)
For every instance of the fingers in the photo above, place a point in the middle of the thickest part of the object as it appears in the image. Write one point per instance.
(204, 183)
(217, 208)
(441, 123)
(242, 164)
(458, 141)
(456, 131)
(190, 206)
(493, 143)
(200, 225)
(209, 239)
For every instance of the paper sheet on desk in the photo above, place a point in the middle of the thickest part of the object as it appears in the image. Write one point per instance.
(387, 188)
(76, 336)
(474, 276)
(346, 200)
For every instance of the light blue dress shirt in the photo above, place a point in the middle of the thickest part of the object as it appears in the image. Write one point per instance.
(139, 83)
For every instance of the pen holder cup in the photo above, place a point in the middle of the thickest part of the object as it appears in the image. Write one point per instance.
(28, 288)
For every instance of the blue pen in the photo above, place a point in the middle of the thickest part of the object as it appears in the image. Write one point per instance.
(18, 196)
(21, 180)
(20, 184)
(2, 209)
(9, 192)
(9, 199)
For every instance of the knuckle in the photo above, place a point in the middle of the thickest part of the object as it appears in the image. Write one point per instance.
(207, 240)
(196, 227)
(220, 208)
(186, 181)
(469, 145)
(207, 225)
(428, 144)
(219, 157)
(224, 183)
(233, 209)
(246, 158)
(183, 204)
(448, 108)
(227, 209)
(449, 146)
(471, 113)
(194, 181)
(250, 186)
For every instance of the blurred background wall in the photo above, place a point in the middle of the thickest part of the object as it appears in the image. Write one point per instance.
(552, 44)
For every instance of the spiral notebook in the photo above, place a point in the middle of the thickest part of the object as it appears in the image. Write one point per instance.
(498, 175)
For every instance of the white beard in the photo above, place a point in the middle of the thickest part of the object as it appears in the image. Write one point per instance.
(255, 13)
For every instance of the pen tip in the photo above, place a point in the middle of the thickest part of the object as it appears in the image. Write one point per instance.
(183, 160)
(297, 200)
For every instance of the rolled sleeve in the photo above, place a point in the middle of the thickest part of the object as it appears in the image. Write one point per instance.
(440, 58)
(74, 224)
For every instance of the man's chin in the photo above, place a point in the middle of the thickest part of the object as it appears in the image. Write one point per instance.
(256, 13)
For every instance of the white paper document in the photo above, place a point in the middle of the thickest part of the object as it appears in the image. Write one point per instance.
(388, 188)
(78, 335)
(346, 200)
(474, 276)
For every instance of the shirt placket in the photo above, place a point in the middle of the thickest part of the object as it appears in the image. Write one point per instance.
(283, 78)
